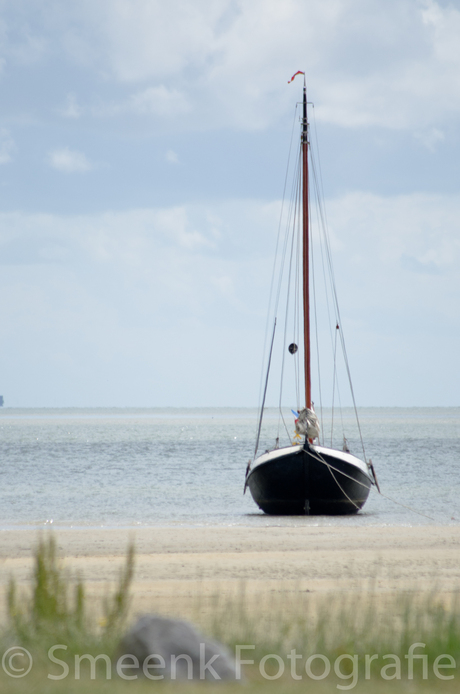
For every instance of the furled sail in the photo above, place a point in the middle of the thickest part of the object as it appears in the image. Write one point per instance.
(307, 424)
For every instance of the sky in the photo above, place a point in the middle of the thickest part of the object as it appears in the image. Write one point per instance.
(143, 148)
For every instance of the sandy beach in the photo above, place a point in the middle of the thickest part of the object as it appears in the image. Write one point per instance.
(175, 565)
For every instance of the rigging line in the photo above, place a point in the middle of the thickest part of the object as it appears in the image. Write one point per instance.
(294, 272)
(282, 264)
(315, 313)
(332, 330)
(347, 365)
(272, 283)
(292, 203)
(290, 226)
(280, 222)
(290, 235)
(286, 316)
(265, 391)
(321, 187)
(341, 472)
(325, 251)
(331, 272)
(343, 490)
(333, 382)
(324, 242)
(285, 425)
(321, 239)
(339, 485)
(320, 190)
(340, 404)
(409, 508)
(342, 340)
(324, 273)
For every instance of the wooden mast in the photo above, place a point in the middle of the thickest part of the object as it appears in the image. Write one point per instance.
(306, 264)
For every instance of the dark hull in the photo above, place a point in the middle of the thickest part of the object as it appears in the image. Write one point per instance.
(309, 480)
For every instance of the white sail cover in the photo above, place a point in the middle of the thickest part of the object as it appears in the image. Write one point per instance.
(307, 424)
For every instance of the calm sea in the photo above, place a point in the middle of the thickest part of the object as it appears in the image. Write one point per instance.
(174, 467)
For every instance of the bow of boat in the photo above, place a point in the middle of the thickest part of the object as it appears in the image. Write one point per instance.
(309, 479)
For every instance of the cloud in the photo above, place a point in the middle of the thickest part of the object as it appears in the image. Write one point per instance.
(399, 64)
(72, 109)
(184, 290)
(134, 69)
(430, 138)
(7, 146)
(171, 157)
(158, 100)
(69, 161)
(21, 42)
(27, 49)
(369, 63)
(404, 250)
(137, 40)
(150, 288)
(414, 265)
(179, 253)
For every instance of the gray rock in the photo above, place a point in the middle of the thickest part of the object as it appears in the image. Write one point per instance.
(160, 648)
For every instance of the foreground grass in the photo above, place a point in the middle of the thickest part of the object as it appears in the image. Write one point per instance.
(358, 641)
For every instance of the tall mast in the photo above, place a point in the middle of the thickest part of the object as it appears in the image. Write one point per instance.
(306, 264)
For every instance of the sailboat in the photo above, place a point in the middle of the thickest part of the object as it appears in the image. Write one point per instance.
(306, 477)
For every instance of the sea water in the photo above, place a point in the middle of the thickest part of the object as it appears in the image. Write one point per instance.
(186, 467)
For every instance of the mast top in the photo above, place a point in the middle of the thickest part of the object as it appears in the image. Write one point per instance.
(304, 116)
